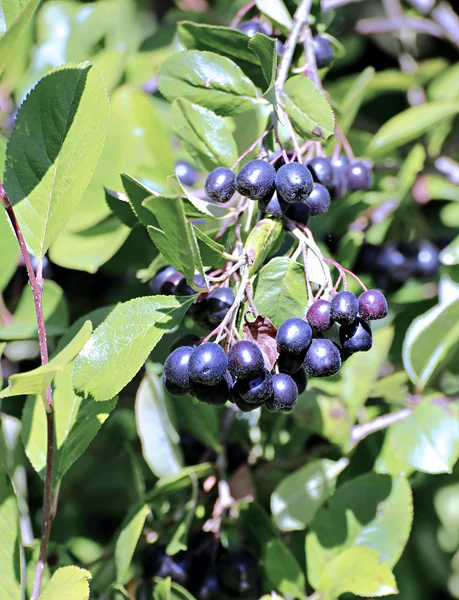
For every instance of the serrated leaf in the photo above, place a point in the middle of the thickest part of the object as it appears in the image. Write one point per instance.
(160, 440)
(205, 135)
(50, 160)
(209, 80)
(120, 207)
(38, 380)
(118, 348)
(265, 48)
(430, 341)
(9, 251)
(71, 583)
(10, 568)
(358, 571)
(409, 125)
(77, 422)
(127, 541)
(428, 440)
(19, 16)
(299, 496)
(308, 109)
(199, 419)
(370, 511)
(282, 570)
(281, 290)
(275, 10)
(24, 324)
(90, 249)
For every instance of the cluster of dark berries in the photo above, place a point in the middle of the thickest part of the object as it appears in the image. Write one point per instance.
(207, 569)
(394, 263)
(291, 188)
(208, 312)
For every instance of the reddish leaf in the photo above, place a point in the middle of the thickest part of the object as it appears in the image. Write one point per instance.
(263, 333)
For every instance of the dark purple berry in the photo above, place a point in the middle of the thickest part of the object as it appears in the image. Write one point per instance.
(185, 172)
(366, 260)
(189, 339)
(176, 366)
(319, 315)
(290, 363)
(285, 393)
(397, 262)
(299, 212)
(210, 588)
(340, 164)
(175, 390)
(427, 261)
(372, 305)
(221, 184)
(238, 573)
(359, 176)
(169, 287)
(301, 380)
(208, 364)
(344, 308)
(319, 200)
(322, 358)
(256, 389)
(294, 336)
(339, 188)
(251, 28)
(322, 171)
(217, 303)
(323, 51)
(183, 289)
(275, 208)
(356, 337)
(245, 360)
(293, 182)
(245, 406)
(161, 277)
(256, 180)
(280, 160)
(217, 394)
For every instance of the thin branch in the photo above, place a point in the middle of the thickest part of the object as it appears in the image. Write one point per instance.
(448, 167)
(331, 4)
(448, 20)
(360, 432)
(240, 13)
(253, 146)
(377, 25)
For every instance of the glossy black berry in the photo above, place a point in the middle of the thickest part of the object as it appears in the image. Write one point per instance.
(293, 182)
(220, 184)
(245, 406)
(210, 588)
(340, 164)
(290, 363)
(322, 358)
(339, 188)
(251, 28)
(294, 336)
(157, 563)
(185, 172)
(189, 339)
(321, 170)
(208, 364)
(176, 366)
(183, 289)
(299, 212)
(344, 308)
(323, 51)
(356, 337)
(397, 261)
(319, 200)
(256, 180)
(372, 305)
(275, 208)
(238, 573)
(301, 380)
(169, 287)
(256, 389)
(175, 390)
(359, 176)
(285, 393)
(280, 160)
(427, 261)
(161, 277)
(366, 260)
(245, 360)
(218, 302)
(217, 394)
(319, 315)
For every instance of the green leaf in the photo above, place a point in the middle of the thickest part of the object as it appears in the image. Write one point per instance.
(120, 207)
(299, 496)
(38, 380)
(282, 570)
(358, 376)
(371, 511)
(430, 341)
(359, 571)
(265, 48)
(174, 483)
(446, 85)
(275, 10)
(160, 440)
(10, 568)
(127, 541)
(263, 240)
(71, 583)
(409, 125)
(90, 249)
(119, 347)
(205, 135)
(180, 593)
(352, 101)
(411, 167)
(77, 422)
(440, 188)
(281, 290)
(19, 16)
(209, 80)
(178, 542)
(24, 324)
(428, 440)
(199, 419)
(208, 241)
(450, 255)
(95, 316)
(9, 251)
(50, 160)
(162, 590)
(308, 109)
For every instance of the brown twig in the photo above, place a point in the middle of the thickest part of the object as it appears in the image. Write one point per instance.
(240, 13)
